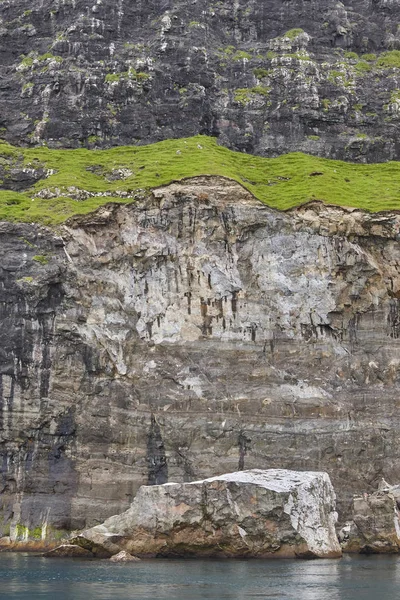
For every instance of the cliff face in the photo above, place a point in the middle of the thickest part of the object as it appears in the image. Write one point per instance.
(264, 76)
(193, 333)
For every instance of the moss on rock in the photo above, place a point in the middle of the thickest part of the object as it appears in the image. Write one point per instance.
(77, 181)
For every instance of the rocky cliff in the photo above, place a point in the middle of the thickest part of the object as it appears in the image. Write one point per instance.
(264, 76)
(192, 333)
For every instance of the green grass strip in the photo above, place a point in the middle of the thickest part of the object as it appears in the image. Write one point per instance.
(282, 183)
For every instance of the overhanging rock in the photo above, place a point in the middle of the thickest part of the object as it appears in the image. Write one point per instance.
(250, 513)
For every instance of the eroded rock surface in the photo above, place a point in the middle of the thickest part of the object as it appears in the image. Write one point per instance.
(375, 528)
(124, 557)
(250, 513)
(68, 551)
(264, 76)
(192, 333)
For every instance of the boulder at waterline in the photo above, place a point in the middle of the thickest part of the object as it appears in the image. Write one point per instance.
(375, 527)
(124, 557)
(68, 551)
(272, 513)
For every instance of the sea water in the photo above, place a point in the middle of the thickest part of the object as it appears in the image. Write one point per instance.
(27, 577)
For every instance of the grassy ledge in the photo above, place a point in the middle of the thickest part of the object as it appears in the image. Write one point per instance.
(281, 183)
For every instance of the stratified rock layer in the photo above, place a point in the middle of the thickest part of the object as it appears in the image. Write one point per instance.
(264, 76)
(375, 528)
(250, 513)
(193, 333)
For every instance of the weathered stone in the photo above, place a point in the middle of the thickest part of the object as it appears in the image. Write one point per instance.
(248, 513)
(375, 528)
(265, 77)
(191, 333)
(5, 541)
(124, 557)
(68, 551)
(100, 545)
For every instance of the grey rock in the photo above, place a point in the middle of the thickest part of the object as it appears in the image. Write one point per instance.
(5, 541)
(68, 551)
(249, 513)
(132, 72)
(192, 333)
(375, 528)
(100, 546)
(124, 557)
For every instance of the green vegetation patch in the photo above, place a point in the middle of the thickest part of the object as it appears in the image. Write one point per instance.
(260, 73)
(244, 96)
(390, 59)
(292, 34)
(41, 258)
(369, 57)
(281, 183)
(34, 59)
(132, 74)
(363, 67)
(241, 55)
(351, 55)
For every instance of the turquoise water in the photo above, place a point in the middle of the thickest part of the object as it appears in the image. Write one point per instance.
(26, 577)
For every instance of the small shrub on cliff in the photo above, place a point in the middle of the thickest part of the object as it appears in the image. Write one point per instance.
(363, 67)
(351, 55)
(261, 73)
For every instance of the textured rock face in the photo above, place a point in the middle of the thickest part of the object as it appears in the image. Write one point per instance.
(250, 513)
(124, 557)
(375, 528)
(193, 333)
(116, 72)
(68, 551)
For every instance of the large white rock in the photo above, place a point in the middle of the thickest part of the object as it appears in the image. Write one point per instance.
(249, 513)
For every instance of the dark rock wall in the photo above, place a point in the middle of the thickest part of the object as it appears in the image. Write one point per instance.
(193, 333)
(109, 72)
(36, 434)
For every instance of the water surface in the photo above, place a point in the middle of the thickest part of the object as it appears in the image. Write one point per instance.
(27, 577)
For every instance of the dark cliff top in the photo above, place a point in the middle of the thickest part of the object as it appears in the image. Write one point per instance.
(265, 77)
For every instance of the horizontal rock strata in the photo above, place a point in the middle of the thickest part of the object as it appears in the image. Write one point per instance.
(192, 333)
(375, 525)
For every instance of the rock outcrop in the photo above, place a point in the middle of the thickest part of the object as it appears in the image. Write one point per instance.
(124, 557)
(250, 513)
(375, 528)
(192, 333)
(265, 77)
(68, 551)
